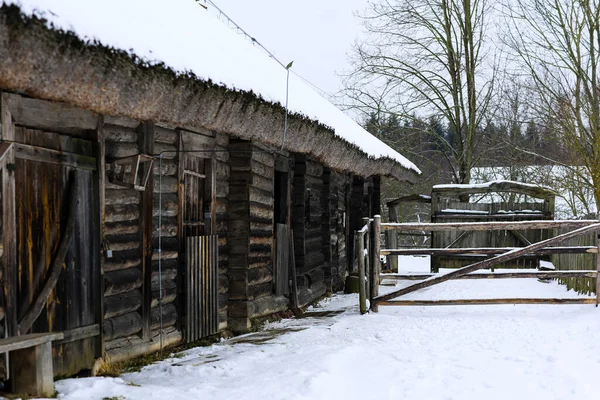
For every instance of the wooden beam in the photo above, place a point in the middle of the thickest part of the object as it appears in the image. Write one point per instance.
(146, 145)
(585, 300)
(79, 333)
(487, 226)
(488, 263)
(9, 220)
(34, 153)
(33, 339)
(100, 192)
(492, 187)
(499, 275)
(488, 251)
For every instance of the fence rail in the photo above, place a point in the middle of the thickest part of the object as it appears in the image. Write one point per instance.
(500, 255)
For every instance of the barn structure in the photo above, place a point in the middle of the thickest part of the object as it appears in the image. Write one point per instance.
(142, 208)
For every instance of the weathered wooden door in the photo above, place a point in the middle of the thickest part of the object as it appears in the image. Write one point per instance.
(57, 272)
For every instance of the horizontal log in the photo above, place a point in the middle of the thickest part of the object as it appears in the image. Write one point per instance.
(121, 326)
(133, 346)
(83, 332)
(121, 228)
(585, 300)
(165, 135)
(486, 226)
(116, 133)
(121, 304)
(122, 281)
(50, 115)
(121, 213)
(487, 251)
(121, 121)
(499, 275)
(169, 316)
(169, 295)
(121, 197)
(118, 263)
(166, 168)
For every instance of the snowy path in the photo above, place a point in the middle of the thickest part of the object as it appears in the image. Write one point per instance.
(452, 352)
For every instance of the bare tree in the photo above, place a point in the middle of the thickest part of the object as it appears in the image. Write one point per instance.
(558, 44)
(425, 58)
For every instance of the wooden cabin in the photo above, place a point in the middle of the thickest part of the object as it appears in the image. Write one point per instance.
(141, 208)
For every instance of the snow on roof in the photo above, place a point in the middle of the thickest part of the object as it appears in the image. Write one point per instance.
(186, 38)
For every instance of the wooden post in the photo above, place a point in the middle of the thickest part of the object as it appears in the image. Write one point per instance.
(146, 145)
(9, 221)
(360, 248)
(598, 270)
(391, 239)
(367, 261)
(100, 191)
(376, 267)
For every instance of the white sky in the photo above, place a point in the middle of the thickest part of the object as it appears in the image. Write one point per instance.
(315, 34)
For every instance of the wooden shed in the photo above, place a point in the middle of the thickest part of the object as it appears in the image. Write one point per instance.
(142, 209)
(489, 202)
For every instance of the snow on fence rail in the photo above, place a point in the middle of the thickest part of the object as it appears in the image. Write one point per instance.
(374, 227)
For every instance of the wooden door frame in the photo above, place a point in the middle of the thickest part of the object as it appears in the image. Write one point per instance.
(73, 160)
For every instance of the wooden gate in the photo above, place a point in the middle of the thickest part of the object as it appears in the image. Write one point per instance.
(202, 286)
(56, 277)
(500, 255)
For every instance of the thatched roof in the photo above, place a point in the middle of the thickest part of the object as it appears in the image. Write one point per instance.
(52, 64)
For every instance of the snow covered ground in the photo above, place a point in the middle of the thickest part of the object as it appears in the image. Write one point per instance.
(450, 352)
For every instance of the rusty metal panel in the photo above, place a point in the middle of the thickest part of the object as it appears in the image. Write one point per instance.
(202, 286)
(281, 270)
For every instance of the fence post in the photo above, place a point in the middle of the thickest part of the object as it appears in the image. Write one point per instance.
(598, 269)
(374, 251)
(360, 248)
(367, 245)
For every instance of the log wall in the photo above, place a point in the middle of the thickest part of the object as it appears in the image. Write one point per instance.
(222, 174)
(307, 214)
(251, 235)
(123, 276)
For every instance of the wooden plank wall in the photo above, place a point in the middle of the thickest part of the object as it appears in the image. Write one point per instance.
(307, 215)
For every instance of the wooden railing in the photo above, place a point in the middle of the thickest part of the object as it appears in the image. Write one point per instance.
(500, 255)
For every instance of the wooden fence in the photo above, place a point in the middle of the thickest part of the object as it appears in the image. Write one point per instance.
(577, 262)
(500, 256)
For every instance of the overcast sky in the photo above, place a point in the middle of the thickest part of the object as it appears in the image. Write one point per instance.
(315, 34)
